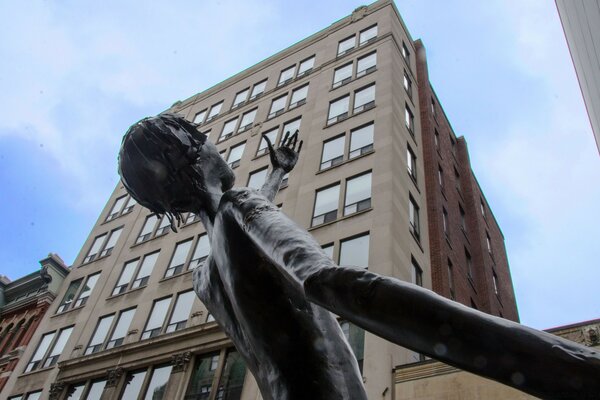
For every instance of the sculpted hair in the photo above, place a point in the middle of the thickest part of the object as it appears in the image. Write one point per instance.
(155, 163)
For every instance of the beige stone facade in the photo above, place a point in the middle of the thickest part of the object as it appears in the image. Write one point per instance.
(128, 337)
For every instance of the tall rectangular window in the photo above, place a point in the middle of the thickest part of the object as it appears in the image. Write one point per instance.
(346, 45)
(413, 217)
(342, 75)
(199, 117)
(488, 242)
(247, 120)
(240, 98)
(367, 35)
(182, 249)
(286, 75)
(433, 109)
(451, 280)
(112, 241)
(364, 99)
(405, 53)
(147, 229)
(96, 389)
(436, 139)
(181, 311)
(333, 152)
(235, 155)
(87, 290)
(133, 386)
(125, 278)
(299, 96)
(69, 296)
(122, 326)
(409, 120)
(163, 226)
(115, 211)
(326, 205)
(95, 249)
(463, 223)
(145, 271)
(445, 222)
(416, 273)
(277, 106)
(214, 111)
(495, 281)
(482, 206)
(200, 252)
(469, 264)
(411, 162)
(338, 110)
(291, 126)
(306, 66)
(129, 206)
(258, 89)
(358, 194)
(40, 352)
(366, 64)
(263, 148)
(228, 129)
(100, 334)
(361, 140)
(407, 84)
(441, 177)
(58, 347)
(157, 318)
(157, 384)
(355, 251)
(257, 178)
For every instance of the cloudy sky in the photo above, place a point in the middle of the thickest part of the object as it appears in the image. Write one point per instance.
(74, 75)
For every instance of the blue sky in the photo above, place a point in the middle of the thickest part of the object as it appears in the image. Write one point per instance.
(74, 75)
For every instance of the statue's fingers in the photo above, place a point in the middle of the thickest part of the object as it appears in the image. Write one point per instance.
(284, 142)
(269, 144)
(300, 146)
(295, 141)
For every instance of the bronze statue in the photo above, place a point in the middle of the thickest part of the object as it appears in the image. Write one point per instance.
(270, 286)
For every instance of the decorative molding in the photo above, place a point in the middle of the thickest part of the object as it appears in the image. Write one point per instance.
(592, 336)
(56, 390)
(113, 376)
(180, 361)
(359, 13)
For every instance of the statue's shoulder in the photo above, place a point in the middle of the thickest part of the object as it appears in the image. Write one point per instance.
(239, 195)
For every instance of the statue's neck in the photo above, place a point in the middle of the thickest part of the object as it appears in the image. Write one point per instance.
(209, 210)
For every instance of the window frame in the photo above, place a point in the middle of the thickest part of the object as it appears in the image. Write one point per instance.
(218, 106)
(414, 226)
(308, 70)
(283, 82)
(340, 116)
(203, 114)
(362, 42)
(363, 204)
(236, 104)
(327, 216)
(364, 106)
(349, 49)
(366, 71)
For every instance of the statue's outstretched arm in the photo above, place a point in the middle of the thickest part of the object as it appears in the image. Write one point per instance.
(283, 160)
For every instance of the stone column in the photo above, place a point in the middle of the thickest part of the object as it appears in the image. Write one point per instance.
(113, 383)
(176, 387)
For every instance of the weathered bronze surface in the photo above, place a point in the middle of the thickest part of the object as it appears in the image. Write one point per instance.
(270, 286)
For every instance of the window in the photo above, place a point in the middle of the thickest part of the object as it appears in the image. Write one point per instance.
(157, 385)
(411, 162)
(433, 109)
(463, 224)
(441, 177)
(179, 258)
(112, 241)
(361, 140)
(495, 281)
(413, 217)
(34, 395)
(147, 229)
(240, 98)
(191, 218)
(292, 126)
(235, 155)
(228, 129)
(416, 273)
(367, 35)
(364, 99)
(469, 264)
(205, 376)
(436, 139)
(366, 64)
(96, 389)
(488, 243)
(157, 318)
(75, 392)
(326, 204)
(342, 75)
(145, 271)
(482, 207)
(409, 120)
(358, 194)
(87, 290)
(355, 251)
(100, 334)
(133, 387)
(58, 347)
(200, 252)
(277, 106)
(457, 180)
(453, 146)
(214, 111)
(451, 280)
(405, 53)
(125, 277)
(120, 330)
(40, 352)
(306, 66)
(445, 222)
(163, 227)
(407, 84)
(257, 178)
(115, 211)
(356, 338)
(299, 96)
(284, 181)
(199, 117)
(181, 311)
(346, 45)
(338, 110)
(258, 89)
(95, 249)
(263, 147)
(247, 120)
(286, 76)
(69, 296)
(333, 152)
(328, 249)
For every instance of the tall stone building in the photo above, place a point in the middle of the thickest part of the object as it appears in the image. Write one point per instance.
(127, 322)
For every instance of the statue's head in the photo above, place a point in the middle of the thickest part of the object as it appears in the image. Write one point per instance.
(168, 166)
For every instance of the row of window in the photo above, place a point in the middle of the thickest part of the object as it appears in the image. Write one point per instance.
(364, 37)
(123, 205)
(345, 73)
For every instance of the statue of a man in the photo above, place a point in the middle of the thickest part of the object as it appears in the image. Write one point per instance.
(270, 285)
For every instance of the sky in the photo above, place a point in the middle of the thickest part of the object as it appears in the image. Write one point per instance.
(75, 75)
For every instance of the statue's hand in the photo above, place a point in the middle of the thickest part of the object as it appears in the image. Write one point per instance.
(286, 155)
